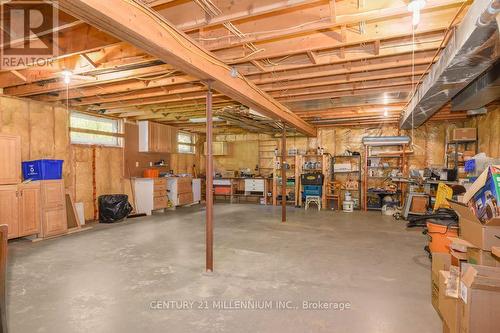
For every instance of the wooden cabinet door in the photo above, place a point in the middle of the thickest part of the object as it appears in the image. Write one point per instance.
(29, 210)
(10, 159)
(53, 194)
(54, 222)
(9, 209)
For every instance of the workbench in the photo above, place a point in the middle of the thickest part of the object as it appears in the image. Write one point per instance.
(242, 187)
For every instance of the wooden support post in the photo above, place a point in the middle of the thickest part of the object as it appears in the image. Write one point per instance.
(209, 240)
(283, 175)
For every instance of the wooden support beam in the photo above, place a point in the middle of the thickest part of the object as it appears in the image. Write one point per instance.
(209, 233)
(19, 75)
(313, 57)
(89, 60)
(144, 28)
(283, 174)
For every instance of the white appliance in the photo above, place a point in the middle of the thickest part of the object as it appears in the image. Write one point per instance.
(143, 195)
(196, 190)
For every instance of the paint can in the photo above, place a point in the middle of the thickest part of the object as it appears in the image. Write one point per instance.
(348, 206)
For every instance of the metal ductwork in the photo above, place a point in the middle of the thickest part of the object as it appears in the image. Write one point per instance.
(472, 49)
(484, 90)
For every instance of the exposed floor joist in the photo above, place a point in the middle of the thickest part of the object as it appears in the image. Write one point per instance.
(144, 28)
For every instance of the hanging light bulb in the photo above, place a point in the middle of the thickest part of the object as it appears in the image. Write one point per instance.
(414, 7)
(66, 76)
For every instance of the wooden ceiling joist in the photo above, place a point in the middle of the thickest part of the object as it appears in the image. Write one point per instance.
(144, 28)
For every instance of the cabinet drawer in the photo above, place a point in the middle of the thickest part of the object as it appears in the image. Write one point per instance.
(161, 193)
(160, 203)
(160, 187)
(184, 188)
(161, 181)
(185, 199)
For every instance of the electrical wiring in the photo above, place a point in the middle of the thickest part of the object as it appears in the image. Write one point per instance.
(264, 32)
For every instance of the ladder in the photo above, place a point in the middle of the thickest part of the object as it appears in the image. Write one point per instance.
(266, 156)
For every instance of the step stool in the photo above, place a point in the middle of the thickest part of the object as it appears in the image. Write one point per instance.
(313, 199)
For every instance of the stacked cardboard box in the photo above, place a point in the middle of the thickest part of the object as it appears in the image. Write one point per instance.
(472, 305)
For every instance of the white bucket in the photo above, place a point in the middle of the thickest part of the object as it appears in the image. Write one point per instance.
(348, 206)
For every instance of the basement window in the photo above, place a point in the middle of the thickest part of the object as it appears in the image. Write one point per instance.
(91, 130)
(186, 143)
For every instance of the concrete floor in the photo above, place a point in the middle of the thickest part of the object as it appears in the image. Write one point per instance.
(110, 279)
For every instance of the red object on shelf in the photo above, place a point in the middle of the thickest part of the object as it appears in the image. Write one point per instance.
(151, 173)
(222, 190)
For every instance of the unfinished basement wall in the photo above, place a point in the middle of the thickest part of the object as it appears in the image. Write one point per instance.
(44, 131)
(488, 130)
(429, 143)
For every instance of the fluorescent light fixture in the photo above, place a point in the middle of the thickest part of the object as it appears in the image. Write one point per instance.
(203, 120)
(66, 76)
(414, 7)
(385, 140)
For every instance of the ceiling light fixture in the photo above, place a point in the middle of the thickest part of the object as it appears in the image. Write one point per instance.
(66, 76)
(234, 72)
(414, 7)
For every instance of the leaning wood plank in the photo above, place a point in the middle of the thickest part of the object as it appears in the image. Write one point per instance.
(72, 217)
(144, 28)
(496, 251)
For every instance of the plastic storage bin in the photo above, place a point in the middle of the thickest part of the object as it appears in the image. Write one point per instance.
(42, 169)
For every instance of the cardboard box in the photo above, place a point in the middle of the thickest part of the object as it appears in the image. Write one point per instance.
(458, 258)
(480, 300)
(440, 262)
(483, 236)
(484, 194)
(477, 256)
(464, 134)
(448, 306)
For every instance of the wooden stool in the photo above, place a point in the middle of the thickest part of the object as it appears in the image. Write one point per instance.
(313, 199)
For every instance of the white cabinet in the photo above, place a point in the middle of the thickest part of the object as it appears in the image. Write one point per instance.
(254, 185)
(196, 190)
(143, 195)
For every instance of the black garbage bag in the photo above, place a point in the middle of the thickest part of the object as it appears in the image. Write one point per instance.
(113, 208)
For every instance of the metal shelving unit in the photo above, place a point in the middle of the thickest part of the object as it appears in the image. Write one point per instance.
(400, 143)
(454, 154)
